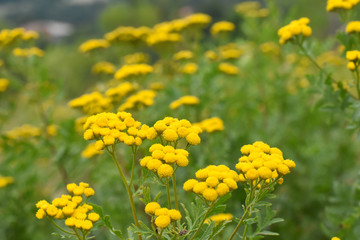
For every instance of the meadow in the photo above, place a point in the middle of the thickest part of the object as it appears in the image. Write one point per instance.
(188, 129)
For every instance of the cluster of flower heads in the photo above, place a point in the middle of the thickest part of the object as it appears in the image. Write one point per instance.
(4, 181)
(133, 70)
(294, 29)
(219, 218)
(163, 158)
(221, 27)
(112, 128)
(4, 84)
(262, 162)
(228, 68)
(213, 182)
(103, 67)
(251, 9)
(353, 27)
(127, 34)
(173, 129)
(90, 151)
(189, 68)
(28, 52)
(121, 90)
(353, 57)
(92, 103)
(335, 238)
(93, 44)
(270, 48)
(230, 51)
(164, 216)
(9, 36)
(136, 58)
(182, 55)
(163, 37)
(24, 131)
(141, 98)
(211, 125)
(184, 100)
(333, 5)
(73, 209)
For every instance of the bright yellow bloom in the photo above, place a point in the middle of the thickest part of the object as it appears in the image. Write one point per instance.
(136, 58)
(103, 67)
(335, 238)
(151, 207)
(27, 52)
(211, 125)
(333, 5)
(24, 131)
(228, 68)
(141, 98)
(165, 170)
(93, 44)
(219, 218)
(4, 84)
(133, 70)
(294, 29)
(185, 54)
(222, 26)
(189, 68)
(162, 221)
(185, 100)
(4, 181)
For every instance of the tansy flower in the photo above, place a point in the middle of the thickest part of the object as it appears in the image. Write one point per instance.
(222, 26)
(4, 84)
(185, 100)
(133, 70)
(294, 30)
(213, 182)
(219, 218)
(189, 68)
(185, 54)
(228, 68)
(93, 44)
(333, 5)
(211, 125)
(103, 67)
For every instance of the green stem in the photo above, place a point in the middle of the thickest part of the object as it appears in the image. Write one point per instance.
(175, 192)
(245, 231)
(240, 222)
(132, 166)
(202, 222)
(77, 234)
(357, 82)
(53, 222)
(128, 189)
(168, 192)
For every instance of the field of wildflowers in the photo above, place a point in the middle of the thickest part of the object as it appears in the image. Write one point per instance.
(188, 129)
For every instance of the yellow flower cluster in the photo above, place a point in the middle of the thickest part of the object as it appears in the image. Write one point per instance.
(9, 36)
(211, 125)
(222, 26)
(73, 209)
(353, 57)
(111, 128)
(211, 55)
(4, 181)
(353, 27)
(164, 216)
(333, 5)
(198, 20)
(294, 29)
(141, 98)
(251, 9)
(262, 162)
(90, 151)
(52, 130)
(163, 158)
(121, 90)
(230, 51)
(4, 84)
(219, 218)
(127, 34)
(157, 38)
(103, 67)
(335, 238)
(27, 52)
(133, 70)
(171, 129)
(184, 54)
(270, 47)
(189, 68)
(92, 103)
(228, 68)
(92, 44)
(185, 100)
(136, 58)
(214, 181)
(24, 131)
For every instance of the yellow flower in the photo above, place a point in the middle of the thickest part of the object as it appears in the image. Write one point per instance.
(189, 68)
(222, 26)
(93, 44)
(133, 70)
(174, 214)
(211, 125)
(193, 139)
(333, 5)
(170, 135)
(185, 100)
(88, 192)
(335, 238)
(183, 55)
(151, 207)
(103, 67)
(228, 68)
(40, 214)
(162, 221)
(93, 217)
(4, 84)
(210, 194)
(189, 184)
(165, 170)
(4, 181)
(51, 210)
(219, 217)
(294, 29)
